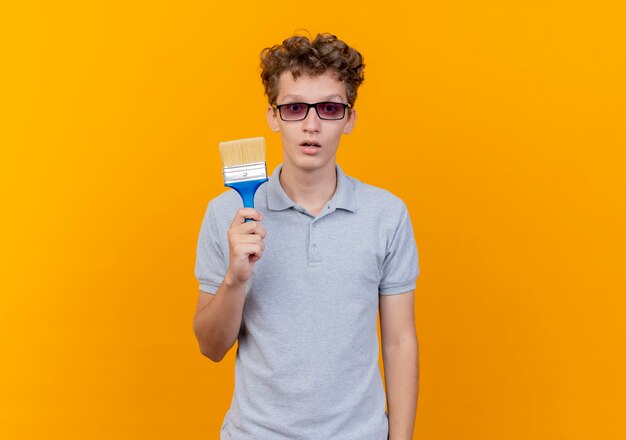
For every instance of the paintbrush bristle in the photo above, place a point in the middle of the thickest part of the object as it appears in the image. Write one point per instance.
(243, 151)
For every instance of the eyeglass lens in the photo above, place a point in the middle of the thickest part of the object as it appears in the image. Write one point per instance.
(325, 110)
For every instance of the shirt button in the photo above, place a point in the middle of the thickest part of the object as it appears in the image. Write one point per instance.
(314, 248)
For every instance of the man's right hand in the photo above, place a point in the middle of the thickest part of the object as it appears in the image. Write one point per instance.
(245, 243)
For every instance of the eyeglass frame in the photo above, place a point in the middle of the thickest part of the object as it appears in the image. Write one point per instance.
(308, 107)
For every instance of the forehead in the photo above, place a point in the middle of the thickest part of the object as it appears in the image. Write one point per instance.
(311, 88)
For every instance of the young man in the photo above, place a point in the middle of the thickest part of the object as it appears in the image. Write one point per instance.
(300, 288)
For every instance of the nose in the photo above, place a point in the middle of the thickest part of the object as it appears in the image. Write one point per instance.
(312, 122)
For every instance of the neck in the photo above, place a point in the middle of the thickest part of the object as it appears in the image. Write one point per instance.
(309, 189)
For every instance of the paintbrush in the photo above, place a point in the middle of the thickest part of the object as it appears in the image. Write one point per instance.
(244, 167)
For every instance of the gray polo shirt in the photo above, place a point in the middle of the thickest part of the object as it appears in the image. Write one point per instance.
(307, 358)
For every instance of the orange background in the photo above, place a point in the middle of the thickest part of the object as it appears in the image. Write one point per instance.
(501, 124)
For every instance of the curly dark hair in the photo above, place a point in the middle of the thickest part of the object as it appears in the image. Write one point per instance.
(300, 55)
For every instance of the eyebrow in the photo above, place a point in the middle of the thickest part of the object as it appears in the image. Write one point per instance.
(300, 98)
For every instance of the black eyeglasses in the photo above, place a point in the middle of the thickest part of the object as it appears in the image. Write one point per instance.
(297, 111)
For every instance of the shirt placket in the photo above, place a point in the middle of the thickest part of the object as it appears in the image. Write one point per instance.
(315, 239)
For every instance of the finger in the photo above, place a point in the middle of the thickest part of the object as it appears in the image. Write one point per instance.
(246, 238)
(248, 228)
(255, 228)
(249, 250)
(244, 213)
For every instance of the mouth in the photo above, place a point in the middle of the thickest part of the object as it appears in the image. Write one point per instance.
(310, 147)
(310, 144)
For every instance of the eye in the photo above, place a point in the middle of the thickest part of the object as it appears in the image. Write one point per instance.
(295, 107)
(330, 108)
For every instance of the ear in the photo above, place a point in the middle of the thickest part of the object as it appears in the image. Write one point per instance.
(272, 119)
(351, 121)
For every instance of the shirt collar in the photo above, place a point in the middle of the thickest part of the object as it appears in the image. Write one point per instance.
(278, 200)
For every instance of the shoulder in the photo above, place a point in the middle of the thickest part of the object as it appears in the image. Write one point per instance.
(370, 197)
(221, 209)
(226, 201)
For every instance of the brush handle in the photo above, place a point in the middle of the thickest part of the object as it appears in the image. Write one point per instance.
(247, 190)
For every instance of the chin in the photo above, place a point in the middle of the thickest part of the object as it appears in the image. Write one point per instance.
(311, 163)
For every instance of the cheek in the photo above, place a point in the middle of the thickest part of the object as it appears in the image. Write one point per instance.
(286, 135)
(337, 133)
(289, 130)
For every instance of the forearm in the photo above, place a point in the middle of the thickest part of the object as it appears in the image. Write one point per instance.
(401, 378)
(217, 324)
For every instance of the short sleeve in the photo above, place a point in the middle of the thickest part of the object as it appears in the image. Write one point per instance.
(400, 267)
(211, 259)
